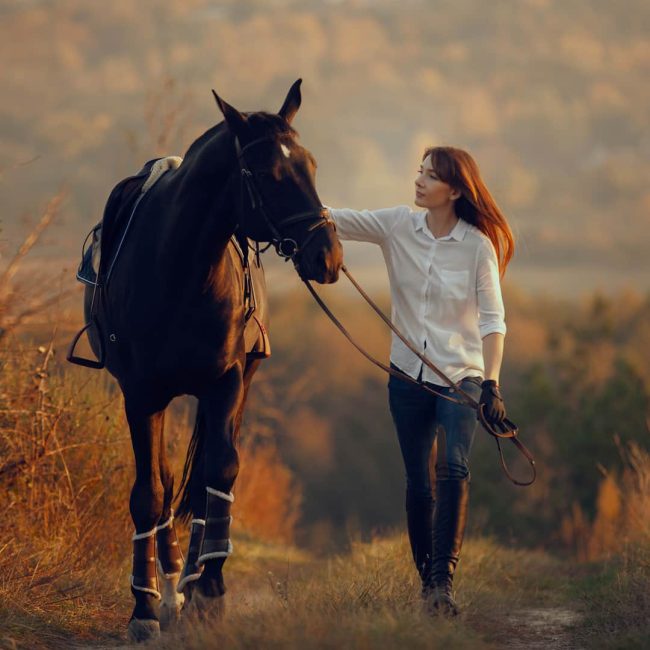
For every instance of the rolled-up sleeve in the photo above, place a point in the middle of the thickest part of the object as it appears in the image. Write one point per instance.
(491, 312)
(366, 225)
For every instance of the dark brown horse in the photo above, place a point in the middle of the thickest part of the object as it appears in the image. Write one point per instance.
(170, 321)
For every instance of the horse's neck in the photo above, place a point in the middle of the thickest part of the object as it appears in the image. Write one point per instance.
(199, 209)
(207, 192)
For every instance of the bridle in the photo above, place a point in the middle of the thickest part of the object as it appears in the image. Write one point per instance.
(286, 247)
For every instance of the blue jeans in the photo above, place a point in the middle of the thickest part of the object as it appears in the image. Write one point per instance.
(418, 417)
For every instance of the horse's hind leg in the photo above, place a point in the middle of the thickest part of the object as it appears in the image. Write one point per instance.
(146, 506)
(170, 558)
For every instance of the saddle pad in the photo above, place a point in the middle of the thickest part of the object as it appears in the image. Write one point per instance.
(117, 215)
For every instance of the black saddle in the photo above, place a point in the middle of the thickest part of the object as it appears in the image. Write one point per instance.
(119, 210)
(111, 232)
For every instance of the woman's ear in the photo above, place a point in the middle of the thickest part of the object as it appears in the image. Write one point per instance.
(455, 194)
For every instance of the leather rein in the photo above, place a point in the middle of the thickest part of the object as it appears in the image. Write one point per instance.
(288, 249)
(506, 429)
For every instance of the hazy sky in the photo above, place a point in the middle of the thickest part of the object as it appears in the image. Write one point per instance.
(550, 97)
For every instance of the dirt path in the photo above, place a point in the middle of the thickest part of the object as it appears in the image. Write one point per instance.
(542, 628)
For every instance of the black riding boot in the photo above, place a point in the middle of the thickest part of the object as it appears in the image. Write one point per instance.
(419, 520)
(452, 500)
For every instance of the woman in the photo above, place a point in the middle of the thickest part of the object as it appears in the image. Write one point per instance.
(444, 264)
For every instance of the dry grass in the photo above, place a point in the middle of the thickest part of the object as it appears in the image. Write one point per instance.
(614, 590)
(21, 299)
(65, 551)
(614, 597)
(66, 469)
(622, 513)
(368, 598)
(65, 464)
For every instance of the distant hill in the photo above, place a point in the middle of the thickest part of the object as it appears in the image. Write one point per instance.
(551, 97)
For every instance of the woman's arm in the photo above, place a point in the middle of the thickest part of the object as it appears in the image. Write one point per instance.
(493, 355)
(491, 312)
(366, 225)
(492, 325)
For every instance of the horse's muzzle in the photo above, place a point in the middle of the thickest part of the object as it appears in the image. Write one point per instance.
(324, 267)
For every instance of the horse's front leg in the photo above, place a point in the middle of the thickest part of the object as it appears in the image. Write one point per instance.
(220, 408)
(146, 506)
(170, 558)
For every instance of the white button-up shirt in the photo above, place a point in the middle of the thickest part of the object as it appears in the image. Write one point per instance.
(445, 292)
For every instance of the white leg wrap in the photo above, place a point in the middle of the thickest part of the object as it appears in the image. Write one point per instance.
(192, 570)
(218, 522)
(185, 580)
(146, 590)
(167, 524)
(150, 533)
(209, 556)
(223, 495)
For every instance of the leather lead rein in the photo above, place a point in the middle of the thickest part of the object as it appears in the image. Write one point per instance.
(507, 429)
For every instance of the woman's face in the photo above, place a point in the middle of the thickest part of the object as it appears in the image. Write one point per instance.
(430, 191)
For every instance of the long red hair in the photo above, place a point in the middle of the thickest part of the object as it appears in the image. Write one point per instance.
(475, 204)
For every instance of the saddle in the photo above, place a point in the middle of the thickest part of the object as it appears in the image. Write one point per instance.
(102, 246)
(103, 243)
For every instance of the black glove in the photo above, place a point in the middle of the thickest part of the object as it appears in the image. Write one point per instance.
(491, 401)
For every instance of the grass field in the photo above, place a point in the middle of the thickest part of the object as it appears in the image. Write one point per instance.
(65, 550)
(281, 597)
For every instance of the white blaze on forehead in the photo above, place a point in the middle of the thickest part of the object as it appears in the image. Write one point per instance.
(285, 150)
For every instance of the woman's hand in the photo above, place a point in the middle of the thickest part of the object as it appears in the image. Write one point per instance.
(491, 402)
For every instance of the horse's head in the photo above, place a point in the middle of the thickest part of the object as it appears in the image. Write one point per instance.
(279, 202)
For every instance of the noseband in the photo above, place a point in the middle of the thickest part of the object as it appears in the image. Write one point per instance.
(285, 247)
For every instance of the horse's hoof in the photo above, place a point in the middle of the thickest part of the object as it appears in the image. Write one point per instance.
(140, 630)
(204, 607)
(170, 616)
(169, 612)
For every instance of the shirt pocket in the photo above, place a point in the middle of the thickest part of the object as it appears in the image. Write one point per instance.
(455, 284)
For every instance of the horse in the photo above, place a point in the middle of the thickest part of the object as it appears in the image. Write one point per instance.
(170, 321)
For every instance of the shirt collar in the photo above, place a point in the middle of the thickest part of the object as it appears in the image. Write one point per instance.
(458, 232)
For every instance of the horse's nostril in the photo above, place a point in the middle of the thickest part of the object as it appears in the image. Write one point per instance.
(321, 259)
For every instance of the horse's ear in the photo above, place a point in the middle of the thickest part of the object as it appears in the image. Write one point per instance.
(234, 119)
(292, 102)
